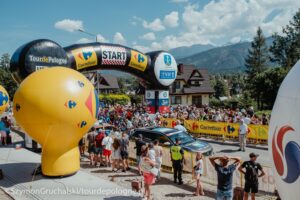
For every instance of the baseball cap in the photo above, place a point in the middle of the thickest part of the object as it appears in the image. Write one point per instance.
(251, 155)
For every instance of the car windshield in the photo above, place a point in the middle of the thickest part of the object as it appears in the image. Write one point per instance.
(182, 136)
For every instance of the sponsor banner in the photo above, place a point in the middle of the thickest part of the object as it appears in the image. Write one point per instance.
(255, 132)
(150, 102)
(85, 57)
(163, 94)
(150, 94)
(167, 74)
(150, 109)
(163, 102)
(138, 61)
(164, 109)
(113, 55)
(165, 69)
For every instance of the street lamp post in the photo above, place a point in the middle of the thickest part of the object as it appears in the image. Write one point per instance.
(91, 34)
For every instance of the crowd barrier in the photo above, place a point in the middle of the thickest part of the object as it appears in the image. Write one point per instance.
(257, 133)
(266, 183)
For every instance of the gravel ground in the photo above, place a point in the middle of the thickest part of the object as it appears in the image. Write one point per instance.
(164, 189)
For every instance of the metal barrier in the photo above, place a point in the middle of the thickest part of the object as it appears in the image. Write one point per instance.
(222, 130)
(266, 183)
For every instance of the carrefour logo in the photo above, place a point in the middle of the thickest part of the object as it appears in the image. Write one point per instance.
(138, 61)
(290, 154)
(85, 55)
(140, 58)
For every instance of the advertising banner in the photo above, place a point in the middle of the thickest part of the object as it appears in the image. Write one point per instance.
(256, 132)
(163, 102)
(150, 101)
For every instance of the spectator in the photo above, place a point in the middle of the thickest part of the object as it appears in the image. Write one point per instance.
(198, 171)
(99, 147)
(3, 132)
(177, 157)
(116, 155)
(158, 156)
(179, 126)
(107, 144)
(91, 145)
(146, 166)
(151, 151)
(82, 146)
(138, 146)
(124, 151)
(264, 119)
(224, 173)
(7, 124)
(243, 130)
(251, 175)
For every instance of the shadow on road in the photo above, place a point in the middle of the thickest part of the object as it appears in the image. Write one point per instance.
(228, 151)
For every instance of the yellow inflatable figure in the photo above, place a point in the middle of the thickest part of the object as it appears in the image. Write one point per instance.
(56, 107)
(4, 99)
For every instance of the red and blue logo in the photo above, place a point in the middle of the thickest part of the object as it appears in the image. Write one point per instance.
(290, 154)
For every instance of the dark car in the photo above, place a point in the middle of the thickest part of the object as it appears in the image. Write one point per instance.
(166, 137)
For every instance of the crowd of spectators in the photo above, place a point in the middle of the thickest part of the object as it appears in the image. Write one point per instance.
(133, 116)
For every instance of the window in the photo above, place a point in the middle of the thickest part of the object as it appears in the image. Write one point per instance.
(197, 100)
(176, 100)
(162, 139)
(177, 84)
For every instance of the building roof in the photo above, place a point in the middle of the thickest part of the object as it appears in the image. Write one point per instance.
(189, 73)
(108, 82)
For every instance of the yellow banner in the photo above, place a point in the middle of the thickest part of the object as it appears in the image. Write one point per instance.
(85, 57)
(257, 132)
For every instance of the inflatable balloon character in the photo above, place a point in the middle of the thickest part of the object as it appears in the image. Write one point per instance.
(4, 99)
(56, 107)
(284, 136)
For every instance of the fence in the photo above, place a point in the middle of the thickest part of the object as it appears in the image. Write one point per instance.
(257, 133)
(266, 183)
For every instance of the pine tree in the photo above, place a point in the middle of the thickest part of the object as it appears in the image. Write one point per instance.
(256, 63)
(286, 48)
(257, 59)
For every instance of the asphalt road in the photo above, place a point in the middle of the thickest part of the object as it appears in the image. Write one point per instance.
(231, 150)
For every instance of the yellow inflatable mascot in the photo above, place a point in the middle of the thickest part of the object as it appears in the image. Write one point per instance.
(56, 107)
(4, 99)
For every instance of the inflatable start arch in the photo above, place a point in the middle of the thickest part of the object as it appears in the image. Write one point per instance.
(157, 69)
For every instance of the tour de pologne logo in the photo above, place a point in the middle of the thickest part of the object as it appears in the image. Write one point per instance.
(290, 154)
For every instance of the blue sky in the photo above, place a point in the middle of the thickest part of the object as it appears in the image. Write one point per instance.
(145, 25)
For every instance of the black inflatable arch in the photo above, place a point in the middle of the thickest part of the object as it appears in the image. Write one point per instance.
(158, 69)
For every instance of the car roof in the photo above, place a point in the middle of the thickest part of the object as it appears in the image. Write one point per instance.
(162, 130)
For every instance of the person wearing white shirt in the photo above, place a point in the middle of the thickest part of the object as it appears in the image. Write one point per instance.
(179, 126)
(243, 130)
(107, 143)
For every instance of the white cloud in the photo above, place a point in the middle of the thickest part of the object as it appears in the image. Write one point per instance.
(100, 38)
(179, 1)
(155, 25)
(220, 21)
(156, 46)
(235, 39)
(69, 25)
(148, 36)
(119, 39)
(84, 40)
(141, 48)
(171, 20)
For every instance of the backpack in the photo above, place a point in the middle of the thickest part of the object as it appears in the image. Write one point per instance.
(252, 173)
